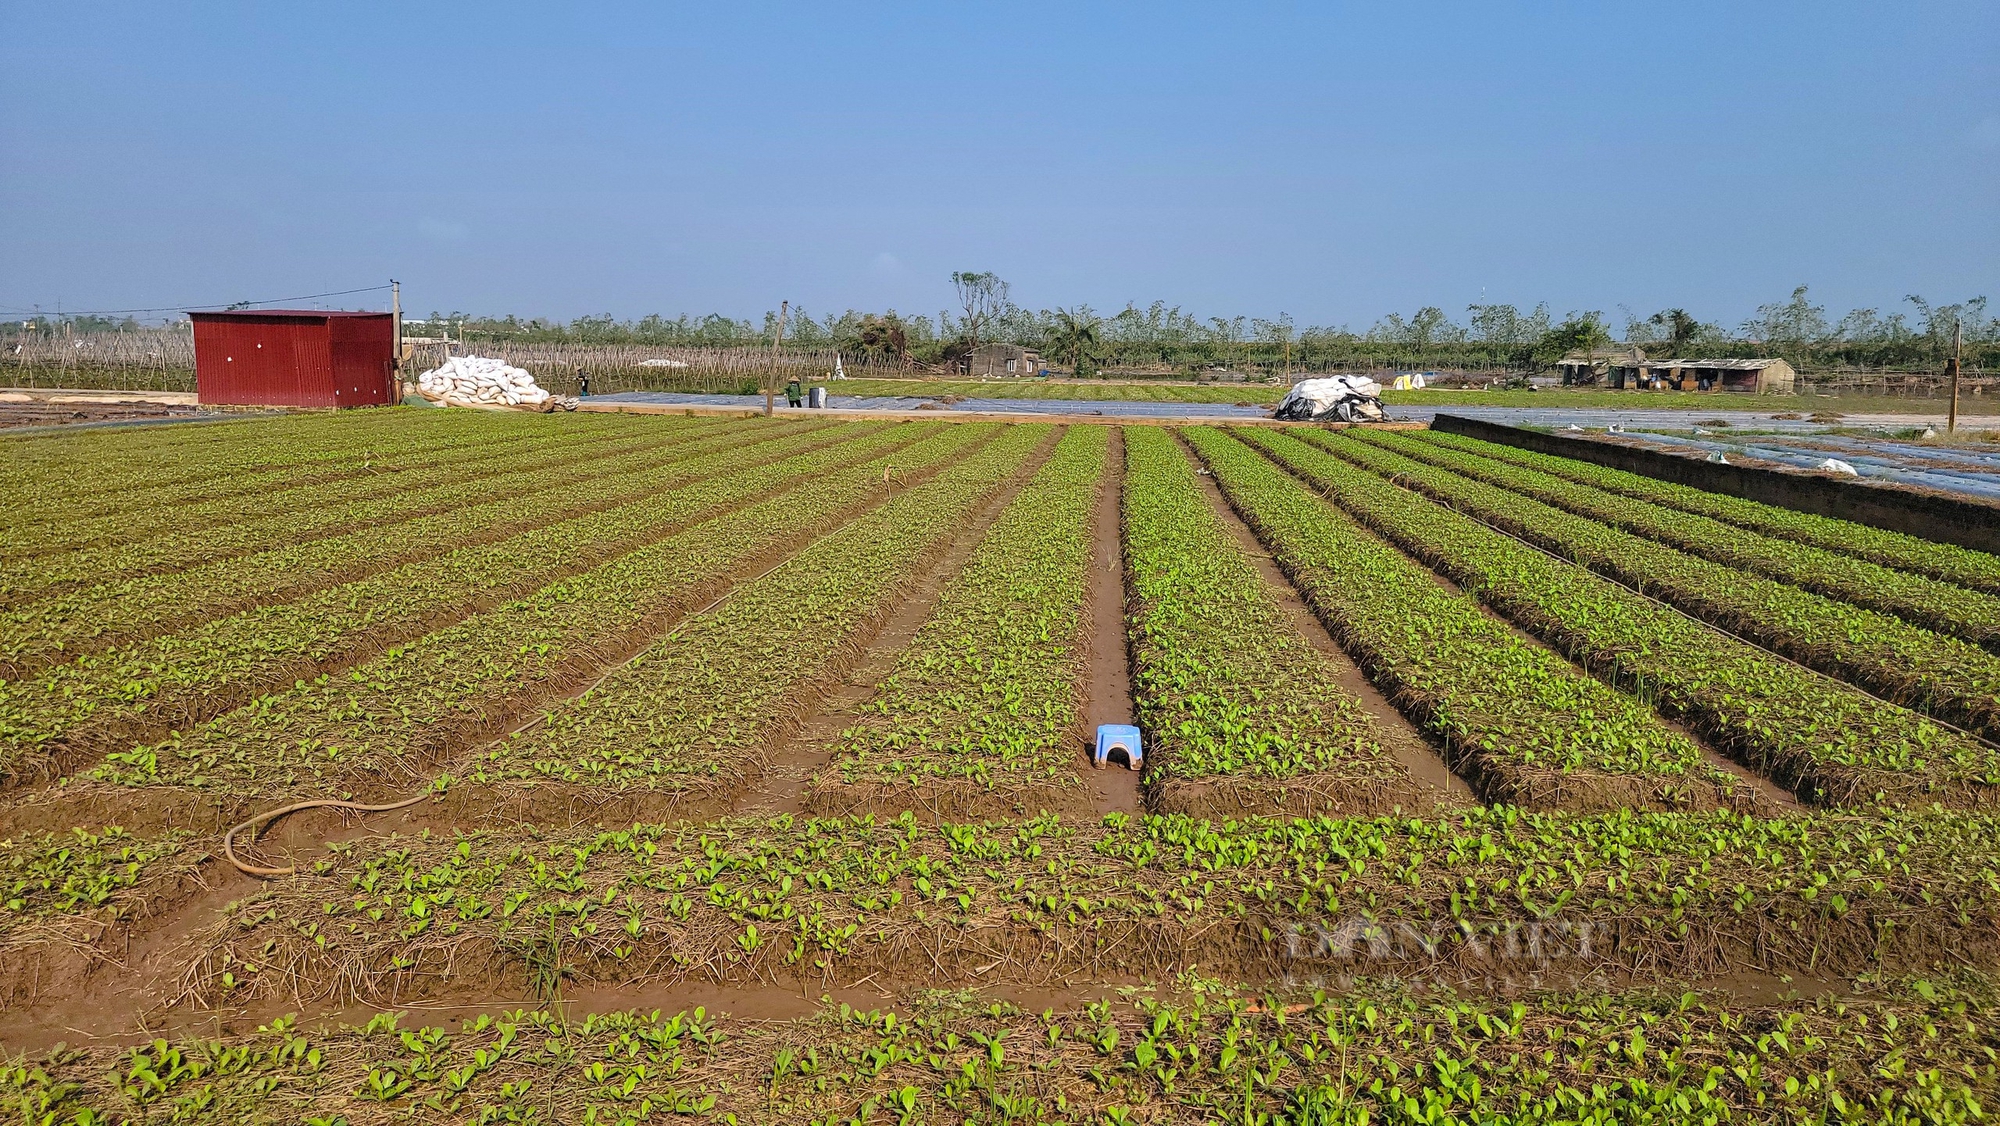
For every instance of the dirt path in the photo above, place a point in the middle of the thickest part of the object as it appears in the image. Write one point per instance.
(1400, 737)
(1106, 689)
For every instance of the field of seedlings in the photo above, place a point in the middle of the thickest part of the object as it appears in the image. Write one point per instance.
(423, 766)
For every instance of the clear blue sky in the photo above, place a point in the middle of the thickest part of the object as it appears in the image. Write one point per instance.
(1334, 162)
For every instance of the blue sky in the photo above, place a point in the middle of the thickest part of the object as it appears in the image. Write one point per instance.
(1335, 162)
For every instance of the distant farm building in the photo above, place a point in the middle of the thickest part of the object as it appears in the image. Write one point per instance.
(1003, 360)
(1596, 366)
(1629, 368)
(295, 358)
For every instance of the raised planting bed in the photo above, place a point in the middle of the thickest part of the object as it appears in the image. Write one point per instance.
(1240, 713)
(1829, 742)
(1528, 726)
(980, 715)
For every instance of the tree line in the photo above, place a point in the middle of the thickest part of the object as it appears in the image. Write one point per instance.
(1165, 339)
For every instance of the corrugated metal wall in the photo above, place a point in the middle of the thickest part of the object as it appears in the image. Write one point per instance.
(294, 359)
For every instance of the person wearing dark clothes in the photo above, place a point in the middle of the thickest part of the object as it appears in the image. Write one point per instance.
(794, 394)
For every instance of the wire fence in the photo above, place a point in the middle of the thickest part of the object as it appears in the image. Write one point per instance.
(162, 359)
(145, 359)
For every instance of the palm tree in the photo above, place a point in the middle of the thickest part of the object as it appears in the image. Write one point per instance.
(1074, 334)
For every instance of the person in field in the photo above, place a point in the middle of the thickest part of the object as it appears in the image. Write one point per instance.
(794, 394)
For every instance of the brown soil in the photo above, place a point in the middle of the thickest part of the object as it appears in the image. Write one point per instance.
(1106, 688)
(14, 415)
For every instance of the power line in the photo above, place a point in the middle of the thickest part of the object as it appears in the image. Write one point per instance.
(180, 308)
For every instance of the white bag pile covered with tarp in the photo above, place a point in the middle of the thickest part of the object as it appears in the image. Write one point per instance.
(481, 382)
(1342, 398)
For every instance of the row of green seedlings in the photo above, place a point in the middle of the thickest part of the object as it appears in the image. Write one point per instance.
(1484, 895)
(1941, 606)
(1975, 570)
(1829, 742)
(691, 718)
(391, 718)
(420, 493)
(121, 611)
(1219, 1054)
(150, 464)
(107, 701)
(1240, 713)
(980, 713)
(1113, 392)
(221, 483)
(1520, 721)
(1938, 674)
(65, 534)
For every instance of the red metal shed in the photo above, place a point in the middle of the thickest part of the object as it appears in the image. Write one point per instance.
(295, 358)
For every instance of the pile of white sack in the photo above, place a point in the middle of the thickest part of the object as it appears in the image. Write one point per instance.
(476, 381)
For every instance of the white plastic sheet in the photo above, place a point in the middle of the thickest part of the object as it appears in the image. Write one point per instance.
(1349, 398)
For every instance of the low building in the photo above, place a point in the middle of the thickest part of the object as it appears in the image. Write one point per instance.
(1769, 376)
(1003, 360)
(1596, 366)
(295, 358)
(1629, 368)
(1757, 377)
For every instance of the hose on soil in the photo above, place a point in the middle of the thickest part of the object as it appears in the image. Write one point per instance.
(248, 869)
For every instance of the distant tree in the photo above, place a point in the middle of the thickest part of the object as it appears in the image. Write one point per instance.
(1579, 332)
(1427, 325)
(1789, 326)
(1680, 327)
(885, 335)
(1074, 334)
(1941, 322)
(983, 296)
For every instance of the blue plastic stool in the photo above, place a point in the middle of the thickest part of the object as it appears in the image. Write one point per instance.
(1118, 737)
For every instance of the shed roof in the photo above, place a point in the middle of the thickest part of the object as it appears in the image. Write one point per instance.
(233, 314)
(1722, 365)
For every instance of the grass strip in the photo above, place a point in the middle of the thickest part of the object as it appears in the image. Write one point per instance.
(1828, 742)
(1941, 675)
(980, 711)
(1944, 607)
(690, 714)
(1908, 1053)
(391, 718)
(107, 701)
(1975, 570)
(1479, 895)
(1239, 711)
(1530, 727)
(89, 619)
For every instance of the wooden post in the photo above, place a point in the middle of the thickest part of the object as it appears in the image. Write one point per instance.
(1957, 352)
(770, 380)
(396, 321)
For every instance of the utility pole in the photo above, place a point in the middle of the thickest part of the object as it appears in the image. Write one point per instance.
(784, 307)
(1957, 353)
(396, 322)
